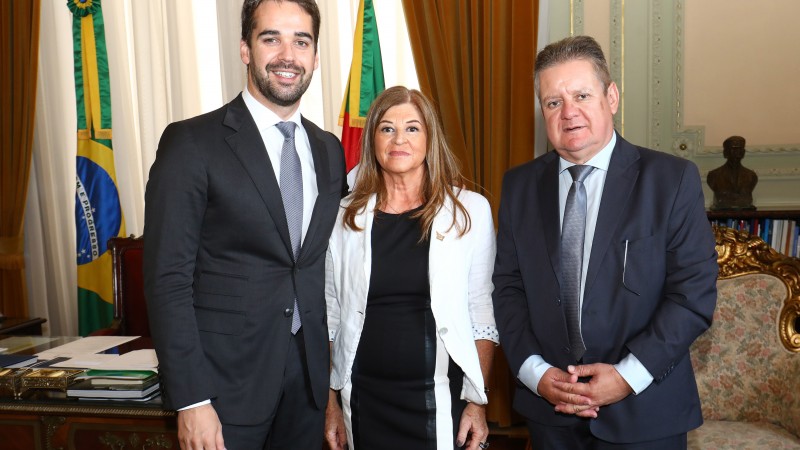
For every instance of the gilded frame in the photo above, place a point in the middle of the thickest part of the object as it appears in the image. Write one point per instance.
(740, 253)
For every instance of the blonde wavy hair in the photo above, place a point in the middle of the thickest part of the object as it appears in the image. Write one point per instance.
(442, 173)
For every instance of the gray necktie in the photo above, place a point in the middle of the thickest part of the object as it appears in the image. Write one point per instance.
(573, 231)
(292, 195)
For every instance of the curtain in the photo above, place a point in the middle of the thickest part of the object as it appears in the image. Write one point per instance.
(19, 47)
(155, 71)
(475, 59)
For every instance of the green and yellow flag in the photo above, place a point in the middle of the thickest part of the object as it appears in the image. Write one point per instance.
(98, 214)
(364, 83)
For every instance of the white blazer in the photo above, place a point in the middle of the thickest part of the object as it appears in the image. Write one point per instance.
(460, 276)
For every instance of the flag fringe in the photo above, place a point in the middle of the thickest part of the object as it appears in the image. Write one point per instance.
(354, 122)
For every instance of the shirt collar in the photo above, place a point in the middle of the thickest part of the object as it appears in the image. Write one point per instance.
(264, 116)
(600, 161)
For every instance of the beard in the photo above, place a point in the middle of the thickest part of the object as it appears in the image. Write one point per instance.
(274, 91)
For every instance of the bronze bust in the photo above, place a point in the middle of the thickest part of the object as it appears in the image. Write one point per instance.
(732, 183)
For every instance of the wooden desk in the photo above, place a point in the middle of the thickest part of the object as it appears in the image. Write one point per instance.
(21, 326)
(44, 420)
(72, 424)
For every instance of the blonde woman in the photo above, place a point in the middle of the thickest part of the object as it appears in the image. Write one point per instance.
(408, 287)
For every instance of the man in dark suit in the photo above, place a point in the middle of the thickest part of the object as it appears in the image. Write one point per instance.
(615, 373)
(232, 268)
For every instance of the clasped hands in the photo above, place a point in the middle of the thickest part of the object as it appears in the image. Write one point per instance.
(562, 389)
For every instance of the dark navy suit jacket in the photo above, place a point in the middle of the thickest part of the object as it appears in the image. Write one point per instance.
(653, 305)
(219, 271)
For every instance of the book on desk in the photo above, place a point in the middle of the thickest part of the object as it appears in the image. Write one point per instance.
(115, 384)
(101, 377)
(91, 367)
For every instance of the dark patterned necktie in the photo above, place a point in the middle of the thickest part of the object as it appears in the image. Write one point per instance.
(292, 195)
(573, 231)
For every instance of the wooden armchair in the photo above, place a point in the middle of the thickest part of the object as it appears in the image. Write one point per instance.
(130, 309)
(748, 363)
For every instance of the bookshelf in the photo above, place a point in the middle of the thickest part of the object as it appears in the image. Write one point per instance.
(779, 228)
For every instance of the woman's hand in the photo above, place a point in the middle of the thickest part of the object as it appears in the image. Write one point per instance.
(472, 431)
(335, 434)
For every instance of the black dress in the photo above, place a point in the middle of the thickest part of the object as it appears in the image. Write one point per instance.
(402, 375)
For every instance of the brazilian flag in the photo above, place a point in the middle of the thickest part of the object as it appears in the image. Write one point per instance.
(98, 214)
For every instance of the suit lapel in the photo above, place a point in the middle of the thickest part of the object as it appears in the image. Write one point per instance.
(322, 164)
(248, 146)
(548, 199)
(623, 171)
(441, 239)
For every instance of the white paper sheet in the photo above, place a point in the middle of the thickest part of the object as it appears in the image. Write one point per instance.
(136, 360)
(88, 361)
(86, 346)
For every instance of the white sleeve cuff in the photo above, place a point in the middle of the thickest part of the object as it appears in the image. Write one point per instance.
(204, 402)
(634, 373)
(486, 332)
(532, 371)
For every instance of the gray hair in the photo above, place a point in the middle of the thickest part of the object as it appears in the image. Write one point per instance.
(571, 49)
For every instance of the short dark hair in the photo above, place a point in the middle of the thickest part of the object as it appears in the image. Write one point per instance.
(249, 8)
(571, 49)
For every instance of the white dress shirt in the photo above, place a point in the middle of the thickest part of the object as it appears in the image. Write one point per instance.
(266, 121)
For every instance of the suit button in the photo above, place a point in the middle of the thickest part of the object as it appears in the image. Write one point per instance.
(443, 331)
(288, 312)
(558, 301)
